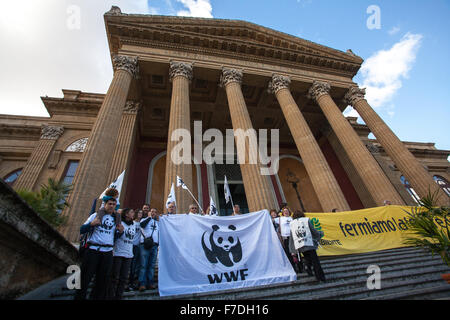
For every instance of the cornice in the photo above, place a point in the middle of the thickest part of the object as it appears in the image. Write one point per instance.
(236, 37)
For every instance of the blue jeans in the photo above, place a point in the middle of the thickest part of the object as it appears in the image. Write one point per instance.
(148, 260)
(135, 264)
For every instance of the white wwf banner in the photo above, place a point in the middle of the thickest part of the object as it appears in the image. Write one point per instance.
(301, 235)
(210, 253)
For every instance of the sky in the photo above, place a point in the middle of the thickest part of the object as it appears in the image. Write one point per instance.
(49, 45)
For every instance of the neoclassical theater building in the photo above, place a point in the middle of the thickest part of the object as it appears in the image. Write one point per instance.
(172, 71)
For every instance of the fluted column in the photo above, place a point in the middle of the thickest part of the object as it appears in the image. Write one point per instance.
(125, 142)
(257, 187)
(38, 158)
(373, 176)
(180, 75)
(93, 171)
(324, 183)
(409, 166)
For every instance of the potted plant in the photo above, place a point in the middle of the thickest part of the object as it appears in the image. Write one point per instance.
(430, 227)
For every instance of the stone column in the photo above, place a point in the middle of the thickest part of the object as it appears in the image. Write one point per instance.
(125, 143)
(324, 183)
(38, 158)
(180, 75)
(93, 171)
(370, 172)
(257, 187)
(417, 175)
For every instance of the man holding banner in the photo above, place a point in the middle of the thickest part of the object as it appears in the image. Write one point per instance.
(305, 239)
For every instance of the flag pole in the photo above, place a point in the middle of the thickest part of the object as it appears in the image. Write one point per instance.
(194, 198)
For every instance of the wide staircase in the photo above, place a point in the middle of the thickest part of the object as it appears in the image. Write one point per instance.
(406, 273)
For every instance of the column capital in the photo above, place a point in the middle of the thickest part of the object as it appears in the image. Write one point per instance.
(114, 11)
(354, 94)
(126, 63)
(278, 82)
(51, 132)
(132, 107)
(317, 89)
(230, 75)
(180, 69)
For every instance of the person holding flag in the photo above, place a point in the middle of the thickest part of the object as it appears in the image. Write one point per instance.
(116, 184)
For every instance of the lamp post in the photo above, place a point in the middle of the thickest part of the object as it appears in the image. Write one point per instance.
(293, 180)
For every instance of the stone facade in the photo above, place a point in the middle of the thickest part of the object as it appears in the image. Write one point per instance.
(172, 71)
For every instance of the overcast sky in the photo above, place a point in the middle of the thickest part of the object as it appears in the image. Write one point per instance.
(49, 45)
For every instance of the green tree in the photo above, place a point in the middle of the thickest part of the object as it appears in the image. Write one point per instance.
(49, 201)
(430, 226)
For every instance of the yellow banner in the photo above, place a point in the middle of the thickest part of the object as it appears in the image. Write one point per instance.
(363, 230)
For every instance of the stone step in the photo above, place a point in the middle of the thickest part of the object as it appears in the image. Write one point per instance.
(437, 291)
(368, 256)
(403, 271)
(339, 287)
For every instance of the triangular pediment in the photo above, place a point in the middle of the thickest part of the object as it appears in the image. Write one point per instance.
(220, 36)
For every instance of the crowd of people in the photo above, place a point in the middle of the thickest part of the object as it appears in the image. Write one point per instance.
(121, 247)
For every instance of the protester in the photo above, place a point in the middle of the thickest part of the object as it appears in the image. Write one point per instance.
(171, 208)
(276, 224)
(193, 208)
(149, 229)
(284, 226)
(98, 258)
(236, 210)
(310, 237)
(123, 254)
(135, 262)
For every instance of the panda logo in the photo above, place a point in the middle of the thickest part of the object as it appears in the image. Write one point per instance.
(129, 233)
(224, 246)
(301, 231)
(108, 222)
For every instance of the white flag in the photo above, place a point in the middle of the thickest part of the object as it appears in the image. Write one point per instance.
(212, 207)
(181, 183)
(171, 197)
(116, 184)
(227, 192)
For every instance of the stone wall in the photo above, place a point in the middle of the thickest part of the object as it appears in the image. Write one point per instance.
(31, 251)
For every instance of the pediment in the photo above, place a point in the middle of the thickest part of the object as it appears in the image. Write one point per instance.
(225, 37)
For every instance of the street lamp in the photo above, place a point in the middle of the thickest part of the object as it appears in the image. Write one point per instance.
(293, 180)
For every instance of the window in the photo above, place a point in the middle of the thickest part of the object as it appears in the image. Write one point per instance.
(12, 177)
(410, 189)
(70, 171)
(443, 184)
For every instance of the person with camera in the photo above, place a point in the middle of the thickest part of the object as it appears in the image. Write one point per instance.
(148, 250)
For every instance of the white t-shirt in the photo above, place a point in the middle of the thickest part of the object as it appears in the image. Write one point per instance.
(124, 244)
(153, 224)
(285, 228)
(103, 233)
